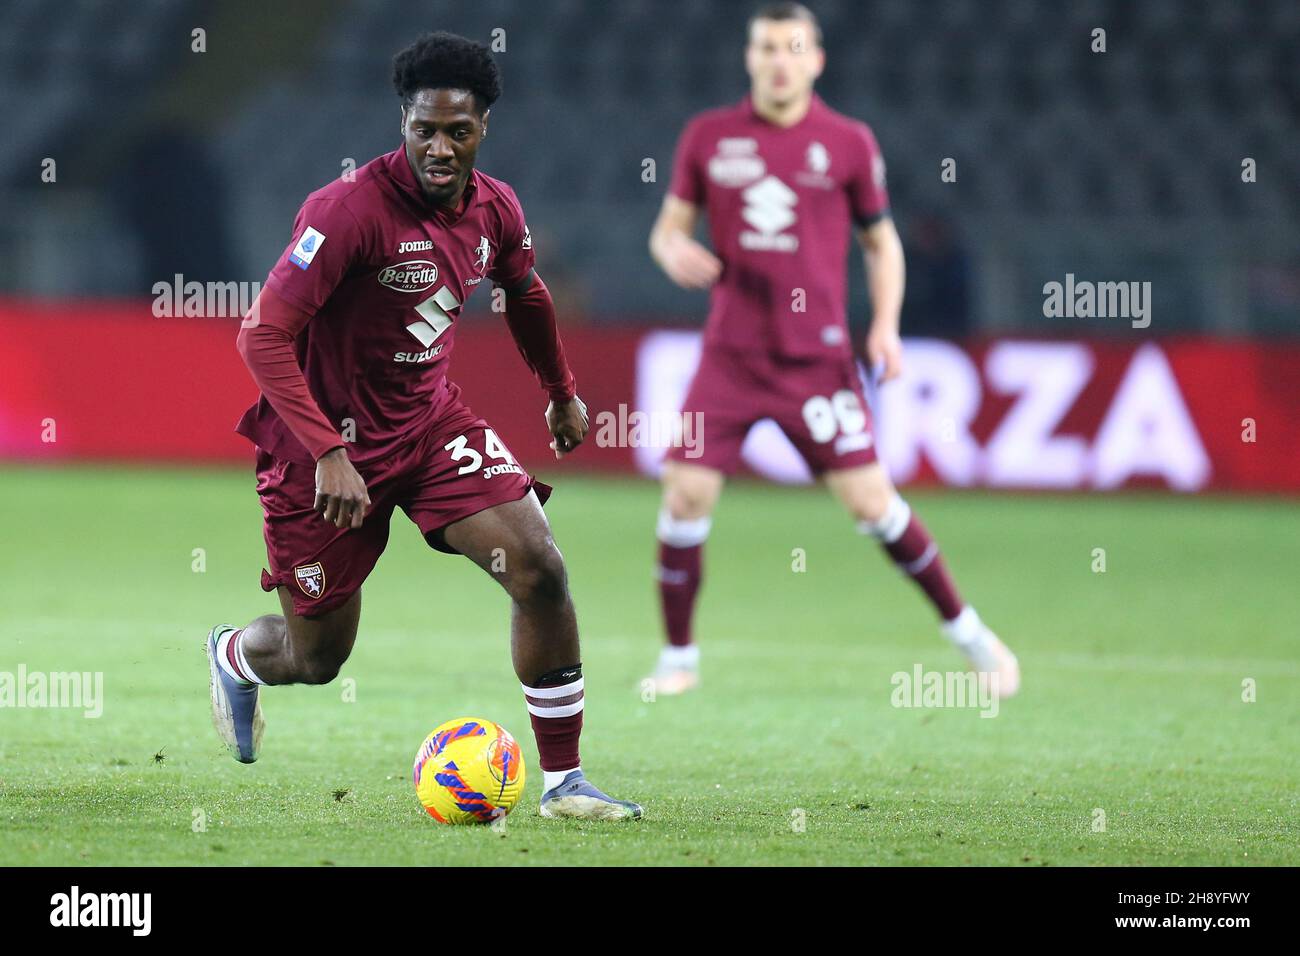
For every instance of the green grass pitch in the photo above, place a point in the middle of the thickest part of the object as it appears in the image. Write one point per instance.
(1132, 702)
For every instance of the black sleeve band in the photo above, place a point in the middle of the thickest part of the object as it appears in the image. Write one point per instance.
(524, 285)
(870, 221)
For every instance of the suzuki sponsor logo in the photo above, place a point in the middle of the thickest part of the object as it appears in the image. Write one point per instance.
(769, 208)
(418, 357)
(414, 275)
(435, 318)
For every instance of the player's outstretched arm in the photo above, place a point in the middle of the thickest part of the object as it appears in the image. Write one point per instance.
(265, 342)
(530, 314)
(674, 248)
(886, 276)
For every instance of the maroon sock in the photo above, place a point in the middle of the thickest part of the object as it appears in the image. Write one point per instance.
(555, 709)
(918, 556)
(679, 581)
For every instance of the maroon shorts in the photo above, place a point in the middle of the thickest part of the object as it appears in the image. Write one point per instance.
(458, 469)
(818, 403)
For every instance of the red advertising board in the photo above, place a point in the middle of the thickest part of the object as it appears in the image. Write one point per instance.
(109, 381)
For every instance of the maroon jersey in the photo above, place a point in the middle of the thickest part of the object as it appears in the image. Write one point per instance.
(385, 274)
(780, 202)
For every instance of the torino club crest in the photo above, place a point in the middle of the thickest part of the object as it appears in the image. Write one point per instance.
(311, 578)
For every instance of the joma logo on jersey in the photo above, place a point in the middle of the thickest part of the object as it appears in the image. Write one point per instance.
(414, 245)
(414, 275)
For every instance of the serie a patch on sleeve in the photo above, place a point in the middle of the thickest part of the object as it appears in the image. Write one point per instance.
(307, 247)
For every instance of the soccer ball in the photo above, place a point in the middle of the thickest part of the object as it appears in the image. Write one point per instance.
(469, 770)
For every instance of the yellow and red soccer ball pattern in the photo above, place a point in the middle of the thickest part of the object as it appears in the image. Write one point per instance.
(469, 770)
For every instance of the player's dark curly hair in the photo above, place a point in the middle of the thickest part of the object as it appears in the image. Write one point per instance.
(446, 61)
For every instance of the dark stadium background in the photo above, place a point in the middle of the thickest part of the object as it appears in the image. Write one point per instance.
(1102, 163)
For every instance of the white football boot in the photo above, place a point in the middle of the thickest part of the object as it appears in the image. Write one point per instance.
(677, 671)
(997, 667)
(575, 797)
(236, 709)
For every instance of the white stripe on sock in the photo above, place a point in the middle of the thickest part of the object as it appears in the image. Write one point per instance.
(249, 676)
(243, 662)
(920, 564)
(965, 629)
(674, 657)
(682, 532)
(892, 524)
(223, 644)
(553, 778)
(565, 710)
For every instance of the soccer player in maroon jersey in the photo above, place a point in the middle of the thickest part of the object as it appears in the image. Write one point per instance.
(782, 178)
(349, 342)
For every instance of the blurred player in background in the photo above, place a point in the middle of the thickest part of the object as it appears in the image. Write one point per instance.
(349, 343)
(782, 178)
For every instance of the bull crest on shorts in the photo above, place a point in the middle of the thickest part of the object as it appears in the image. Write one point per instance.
(311, 578)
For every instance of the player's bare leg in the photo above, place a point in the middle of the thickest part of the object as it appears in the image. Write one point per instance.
(513, 543)
(880, 512)
(690, 493)
(274, 649)
(290, 649)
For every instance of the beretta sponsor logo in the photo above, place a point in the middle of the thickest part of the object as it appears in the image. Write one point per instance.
(414, 275)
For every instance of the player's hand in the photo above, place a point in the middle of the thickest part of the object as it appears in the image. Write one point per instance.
(689, 263)
(885, 351)
(568, 424)
(341, 495)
